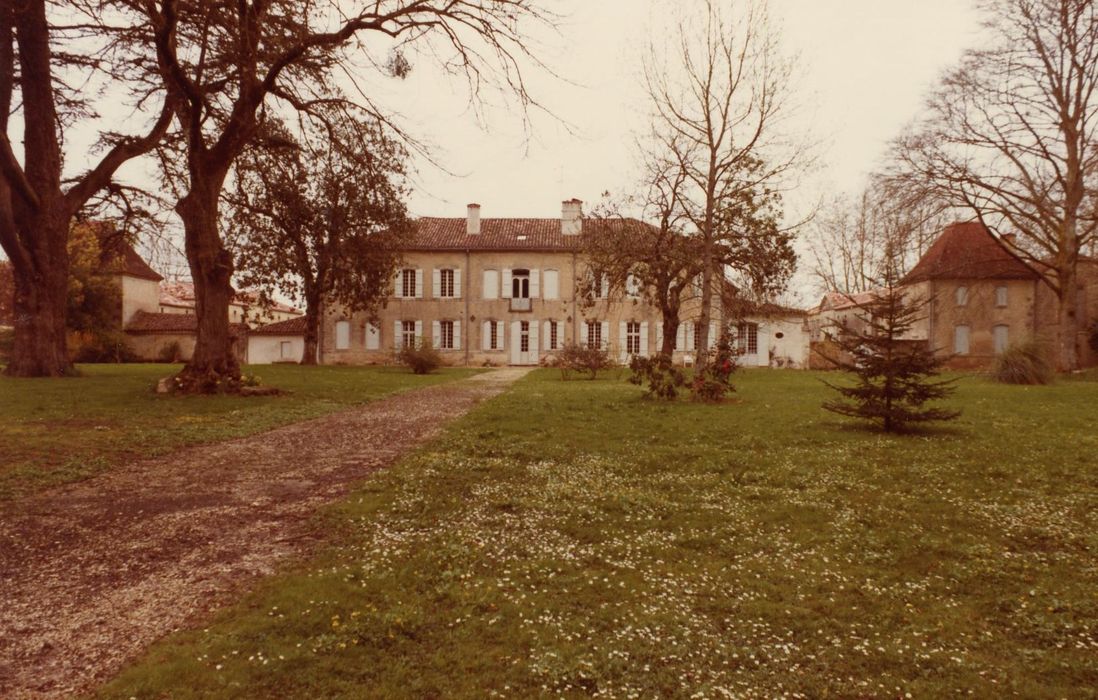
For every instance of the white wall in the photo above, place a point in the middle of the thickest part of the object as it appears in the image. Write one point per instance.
(792, 347)
(138, 294)
(267, 349)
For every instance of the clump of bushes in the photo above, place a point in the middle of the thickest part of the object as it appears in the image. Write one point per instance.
(171, 353)
(714, 380)
(1022, 363)
(101, 346)
(422, 358)
(658, 374)
(575, 357)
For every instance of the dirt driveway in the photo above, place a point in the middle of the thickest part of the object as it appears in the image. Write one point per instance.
(93, 572)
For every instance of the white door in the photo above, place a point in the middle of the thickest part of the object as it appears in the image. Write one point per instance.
(524, 343)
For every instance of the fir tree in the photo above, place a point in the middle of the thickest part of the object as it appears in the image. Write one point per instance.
(895, 375)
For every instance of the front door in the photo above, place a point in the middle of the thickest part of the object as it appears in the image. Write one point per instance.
(524, 343)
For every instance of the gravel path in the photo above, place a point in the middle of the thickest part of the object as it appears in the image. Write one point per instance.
(93, 572)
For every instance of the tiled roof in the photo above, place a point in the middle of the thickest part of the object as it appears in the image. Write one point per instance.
(435, 233)
(181, 294)
(146, 322)
(293, 326)
(116, 255)
(968, 251)
(837, 301)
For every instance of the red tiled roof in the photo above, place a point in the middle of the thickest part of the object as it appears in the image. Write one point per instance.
(836, 301)
(968, 251)
(435, 233)
(292, 326)
(146, 322)
(181, 294)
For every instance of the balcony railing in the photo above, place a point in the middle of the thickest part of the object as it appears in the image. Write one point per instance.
(520, 304)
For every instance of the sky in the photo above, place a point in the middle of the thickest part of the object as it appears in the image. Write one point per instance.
(864, 69)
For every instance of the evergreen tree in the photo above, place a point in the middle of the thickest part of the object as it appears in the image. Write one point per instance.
(895, 374)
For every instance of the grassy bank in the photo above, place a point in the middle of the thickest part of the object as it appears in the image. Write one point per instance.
(571, 539)
(58, 430)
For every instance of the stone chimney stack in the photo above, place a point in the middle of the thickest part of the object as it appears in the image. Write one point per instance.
(571, 213)
(472, 220)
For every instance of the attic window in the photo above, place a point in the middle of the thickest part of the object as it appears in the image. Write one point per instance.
(522, 238)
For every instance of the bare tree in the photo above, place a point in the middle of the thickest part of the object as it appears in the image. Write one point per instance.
(719, 96)
(223, 63)
(1012, 134)
(39, 61)
(321, 217)
(849, 238)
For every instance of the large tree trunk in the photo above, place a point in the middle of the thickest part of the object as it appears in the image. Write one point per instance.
(40, 348)
(312, 329)
(1068, 319)
(214, 367)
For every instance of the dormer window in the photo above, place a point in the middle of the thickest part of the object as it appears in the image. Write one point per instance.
(962, 296)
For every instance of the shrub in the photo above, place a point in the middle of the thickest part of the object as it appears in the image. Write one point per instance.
(421, 358)
(1022, 363)
(574, 357)
(660, 375)
(171, 353)
(102, 346)
(714, 380)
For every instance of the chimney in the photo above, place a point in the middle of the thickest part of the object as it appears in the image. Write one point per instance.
(571, 213)
(1009, 240)
(472, 220)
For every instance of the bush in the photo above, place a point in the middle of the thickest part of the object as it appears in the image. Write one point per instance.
(574, 357)
(714, 381)
(422, 358)
(660, 375)
(103, 346)
(1022, 364)
(171, 353)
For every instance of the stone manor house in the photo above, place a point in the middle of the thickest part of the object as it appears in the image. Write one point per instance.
(505, 292)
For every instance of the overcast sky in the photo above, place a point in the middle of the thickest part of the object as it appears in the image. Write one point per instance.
(865, 66)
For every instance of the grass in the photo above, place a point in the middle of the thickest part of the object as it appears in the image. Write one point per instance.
(59, 430)
(568, 538)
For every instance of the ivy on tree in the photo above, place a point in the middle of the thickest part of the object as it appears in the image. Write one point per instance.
(895, 374)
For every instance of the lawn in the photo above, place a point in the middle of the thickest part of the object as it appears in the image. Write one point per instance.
(569, 538)
(58, 430)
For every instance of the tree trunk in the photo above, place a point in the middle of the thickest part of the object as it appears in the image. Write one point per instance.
(702, 356)
(214, 367)
(40, 348)
(312, 329)
(1068, 319)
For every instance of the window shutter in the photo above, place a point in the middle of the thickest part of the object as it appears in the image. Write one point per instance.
(486, 335)
(398, 335)
(457, 282)
(552, 284)
(547, 335)
(398, 290)
(436, 283)
(762, 340)
(623, 347)
(419, 331)
(506, 283)
(534, 347)
(604, 287)
(419, 283)
(689, 337)
(373, 337)
(644, 339)
(516, 347)
(501, 329)
(436, 334)
(490, 289)
(457, 335)
(680, 337)
(605, 328)
(535, 283)
(712, 335)
(659, 336)
(583, 333)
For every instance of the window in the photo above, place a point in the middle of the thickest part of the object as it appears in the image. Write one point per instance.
(520, 284)
(632, 286)
(600, 284)
(1001, 337)
(407, 334)
(446, 335)
(1001, 296)
(594, 334)
(747, 338)
(962, 296)
(408, 284)
(960, 340)
(524, 336)
(697, 327)
(552, 284)
(491, 285)
(343, 335)
(633, 338)
(285, 350)
(554, 340)
(446, 283)
(373, 337)
(493, 342)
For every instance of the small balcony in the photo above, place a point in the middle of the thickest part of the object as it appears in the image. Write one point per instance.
(520, 304)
